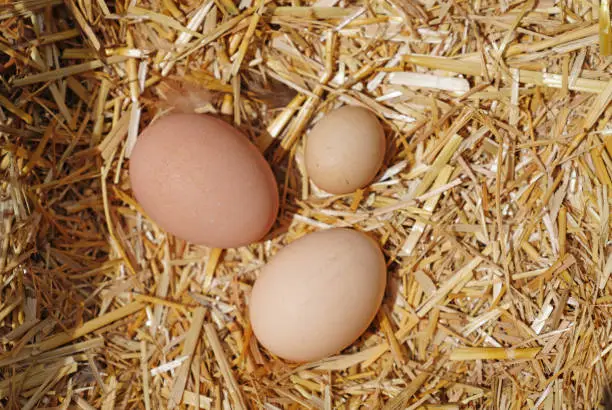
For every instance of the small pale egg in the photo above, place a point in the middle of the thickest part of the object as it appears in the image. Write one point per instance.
(345, 150)
(202, 180)
(318, 295)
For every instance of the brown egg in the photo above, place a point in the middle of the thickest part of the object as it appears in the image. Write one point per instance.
(318, 294)
(203, 181)
(345, 150)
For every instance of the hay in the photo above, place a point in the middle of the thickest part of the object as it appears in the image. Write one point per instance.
(493, 208)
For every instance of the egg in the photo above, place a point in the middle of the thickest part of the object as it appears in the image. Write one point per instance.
(201, 179)
(345, 150)
(318, 294)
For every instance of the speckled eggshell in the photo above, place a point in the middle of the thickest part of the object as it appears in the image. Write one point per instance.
(345, 150)
(202, 180)
(317, 295)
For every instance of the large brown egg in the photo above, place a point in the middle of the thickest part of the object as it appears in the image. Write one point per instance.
(203, 181)
(345, 150)
(318, 294)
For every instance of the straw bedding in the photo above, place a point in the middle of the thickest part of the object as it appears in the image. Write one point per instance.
(493, 207)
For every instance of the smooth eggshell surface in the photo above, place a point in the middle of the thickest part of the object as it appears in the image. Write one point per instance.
(203, 181)
(318, 295)
(345, 150)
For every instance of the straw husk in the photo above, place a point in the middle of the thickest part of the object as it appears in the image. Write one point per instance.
(493, 206)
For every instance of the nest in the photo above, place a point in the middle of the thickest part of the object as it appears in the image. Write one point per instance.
(493, 207)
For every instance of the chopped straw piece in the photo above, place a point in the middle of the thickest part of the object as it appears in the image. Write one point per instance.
(191, 341)
(493, 353)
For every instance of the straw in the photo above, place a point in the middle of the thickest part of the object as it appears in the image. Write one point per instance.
(492, 206)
